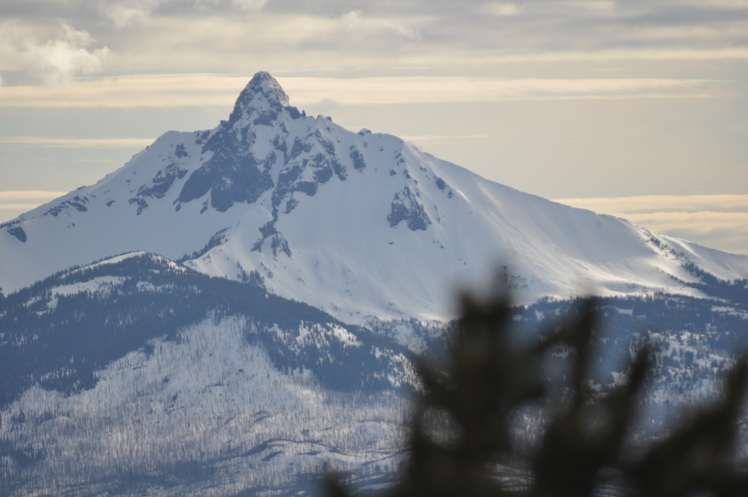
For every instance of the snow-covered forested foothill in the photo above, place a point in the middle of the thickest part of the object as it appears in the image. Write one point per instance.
(137, 375)
(247, 391)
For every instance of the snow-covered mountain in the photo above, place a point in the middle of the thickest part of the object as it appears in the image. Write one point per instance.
(190, 332)
(356, 224)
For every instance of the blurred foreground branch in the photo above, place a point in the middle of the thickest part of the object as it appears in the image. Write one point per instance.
(463, 431)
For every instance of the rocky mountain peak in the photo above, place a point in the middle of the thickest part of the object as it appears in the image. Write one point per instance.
(262, 96)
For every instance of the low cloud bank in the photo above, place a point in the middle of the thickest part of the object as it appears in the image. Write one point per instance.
(716, 221)
(15, 203)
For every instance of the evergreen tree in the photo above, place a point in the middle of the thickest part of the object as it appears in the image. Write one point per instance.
(463, 433)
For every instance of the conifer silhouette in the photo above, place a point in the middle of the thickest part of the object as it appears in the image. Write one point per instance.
(461, 432)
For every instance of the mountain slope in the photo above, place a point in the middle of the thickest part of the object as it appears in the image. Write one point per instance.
(137, 376)
(357, 224)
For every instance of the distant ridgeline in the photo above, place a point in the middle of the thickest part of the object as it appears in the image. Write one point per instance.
(59, 332)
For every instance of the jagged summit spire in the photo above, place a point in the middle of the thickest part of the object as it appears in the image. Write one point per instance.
(266, 85)
(262, 92)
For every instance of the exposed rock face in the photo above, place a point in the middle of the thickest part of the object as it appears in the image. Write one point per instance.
(405, 207)
(234, 173)
(18, 233)
(240, 169)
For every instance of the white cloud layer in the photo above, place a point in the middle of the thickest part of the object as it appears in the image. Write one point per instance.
(460, 89)
(28, 195)
(662, 203)
(76, 142)
(57, 62)
(203, 90)
(14, 203)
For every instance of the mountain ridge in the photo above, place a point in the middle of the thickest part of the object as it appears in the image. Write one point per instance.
(357, 224)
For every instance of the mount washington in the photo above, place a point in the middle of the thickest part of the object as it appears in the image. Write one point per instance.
(234, 309)
(356, 224)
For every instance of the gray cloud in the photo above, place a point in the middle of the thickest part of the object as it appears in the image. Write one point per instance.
(56, 61)
(124, 13)
(206, 90)
(59, 60)
(87, 143)
(495, 31)
(357, 22)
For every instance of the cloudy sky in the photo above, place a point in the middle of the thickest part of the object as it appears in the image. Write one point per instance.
(635, 108)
